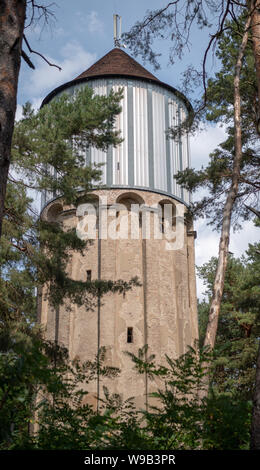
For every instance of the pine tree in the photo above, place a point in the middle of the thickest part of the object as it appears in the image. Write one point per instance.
(239, 324)
(34, 252)
(15, 17)
(240, 22)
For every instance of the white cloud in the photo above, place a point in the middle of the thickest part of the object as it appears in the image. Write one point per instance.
(90, 23)
(74, 61)
(36, 103)
(19, 112)
(94, 24)
(203, 143)
(239, 240)
(207, 244)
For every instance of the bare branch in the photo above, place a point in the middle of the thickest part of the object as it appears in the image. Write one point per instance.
(213, 38)
(44, 12)
(256, 212)
(42, 56)
(158, 13)
(247, 181)
(27, 60)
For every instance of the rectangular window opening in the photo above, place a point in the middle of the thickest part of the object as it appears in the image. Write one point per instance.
(162, 225)
(89, 275)
(130, 338)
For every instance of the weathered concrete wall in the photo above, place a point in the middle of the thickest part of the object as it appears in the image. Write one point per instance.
(162, 312)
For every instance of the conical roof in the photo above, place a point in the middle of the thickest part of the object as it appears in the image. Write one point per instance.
(117, 62)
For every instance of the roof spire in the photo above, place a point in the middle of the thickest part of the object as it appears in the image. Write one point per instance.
(118, 31)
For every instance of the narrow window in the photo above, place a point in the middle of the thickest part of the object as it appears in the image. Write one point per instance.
(140, 219)
(130, 335)
(89, 275)
(162, 225)
(118, 221)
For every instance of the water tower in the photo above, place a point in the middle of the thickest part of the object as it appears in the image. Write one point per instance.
(162, 312)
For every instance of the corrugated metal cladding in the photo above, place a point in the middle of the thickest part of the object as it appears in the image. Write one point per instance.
(146, 158)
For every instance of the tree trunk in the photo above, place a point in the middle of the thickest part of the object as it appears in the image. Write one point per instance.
(255, 29)
(211, 331)
(12, 17)
(218, 287)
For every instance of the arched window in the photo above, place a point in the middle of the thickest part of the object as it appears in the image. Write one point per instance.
(127, 199)
(130, 202)
(88, 215)
(54, 212)
(167, 214)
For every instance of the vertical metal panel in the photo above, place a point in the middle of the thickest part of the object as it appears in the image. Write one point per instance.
(88, 156)
(174, 146)
(136, 134)
(120, 153)
(141, 172)
(144, 139)
(159, 142)
(130, 107)
(43, 198)
(172, 143)
(98, 156)
(88, 151)
(150, 136)
(180, 144)
(169, 173)
(109, 180)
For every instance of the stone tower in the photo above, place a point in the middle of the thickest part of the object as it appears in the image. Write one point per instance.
(162, 312)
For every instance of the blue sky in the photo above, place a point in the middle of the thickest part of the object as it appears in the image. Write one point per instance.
(83, 33)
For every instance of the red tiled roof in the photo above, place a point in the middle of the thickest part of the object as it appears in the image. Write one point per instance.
(117, 62)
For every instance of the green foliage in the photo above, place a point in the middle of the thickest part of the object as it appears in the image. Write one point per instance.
(49, 146)
(227, 423)
(216, 177)
(48, 154)
(176, 418)
(22, 366)
(173, 21)
(239, 324)
(56, 414)
(43, 399)
(65, 419)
